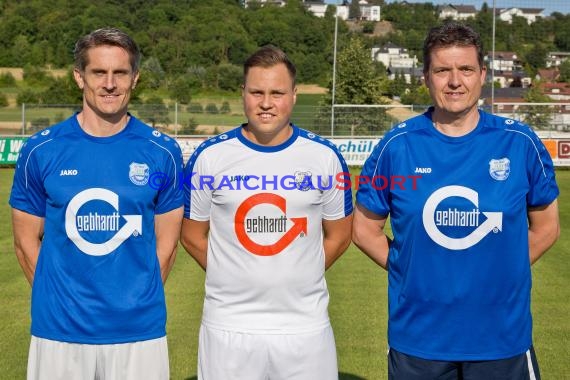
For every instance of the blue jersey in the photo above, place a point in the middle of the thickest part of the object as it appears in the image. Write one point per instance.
(97, 279)
(459, 276)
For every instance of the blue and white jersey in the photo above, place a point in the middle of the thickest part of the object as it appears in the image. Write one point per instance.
(97, 279)
(265, 206)
(459, 275)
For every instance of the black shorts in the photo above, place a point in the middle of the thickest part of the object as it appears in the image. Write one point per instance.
(406, 367)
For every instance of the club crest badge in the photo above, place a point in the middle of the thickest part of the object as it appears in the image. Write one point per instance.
(303, 180)
(139, 173)
(500, 169)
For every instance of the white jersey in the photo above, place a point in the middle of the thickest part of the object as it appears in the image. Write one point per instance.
(265, 206)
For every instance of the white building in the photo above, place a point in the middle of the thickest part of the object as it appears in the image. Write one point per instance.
(555, 58)
(367, 12)
(457, 12)
(530, 14)
(394, 56)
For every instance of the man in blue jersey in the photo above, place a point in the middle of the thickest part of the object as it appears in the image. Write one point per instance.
(94, 240)
(264, 218)
(472, 205)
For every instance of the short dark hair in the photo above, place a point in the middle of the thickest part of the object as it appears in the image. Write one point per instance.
(268, 56)
(102, 37)
(451, 34)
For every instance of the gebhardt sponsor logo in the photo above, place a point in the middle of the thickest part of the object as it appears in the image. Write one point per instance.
(433, 218)
(96, 222)
(245, 226)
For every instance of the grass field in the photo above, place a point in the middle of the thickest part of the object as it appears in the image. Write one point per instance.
(358, 307)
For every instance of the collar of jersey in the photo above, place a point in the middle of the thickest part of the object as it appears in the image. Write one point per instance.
(102, 140)
(453, 139)
(268, 149)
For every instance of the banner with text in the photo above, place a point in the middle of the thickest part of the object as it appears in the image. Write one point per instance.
(354, 150)
(10, 148)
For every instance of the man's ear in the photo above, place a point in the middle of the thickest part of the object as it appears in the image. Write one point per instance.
(78, 76)
(135, 79)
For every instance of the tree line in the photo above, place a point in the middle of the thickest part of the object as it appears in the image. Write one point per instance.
(200, 45)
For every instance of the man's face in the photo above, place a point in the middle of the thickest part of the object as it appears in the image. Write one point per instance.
(268, 99)
(107, 81)
(454, 80)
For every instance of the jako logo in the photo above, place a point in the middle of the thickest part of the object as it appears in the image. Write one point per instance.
(423, 170)
(432, 218)
(97, 222)
(68, 172)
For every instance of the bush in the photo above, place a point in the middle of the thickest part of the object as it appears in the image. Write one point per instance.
(368, 27)
(28, 97)
(211, 108)
(3, 100)
(191, 128)
(36, 76)
(7, 80)
(195, 108)
(225, 109)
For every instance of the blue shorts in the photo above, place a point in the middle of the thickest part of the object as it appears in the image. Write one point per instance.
(406, 367)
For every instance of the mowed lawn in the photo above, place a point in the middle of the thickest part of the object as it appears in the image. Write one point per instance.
(358, 306)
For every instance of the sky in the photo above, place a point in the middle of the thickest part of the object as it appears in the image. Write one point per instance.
(549, 6)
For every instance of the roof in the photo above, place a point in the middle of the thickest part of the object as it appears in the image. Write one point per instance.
(549, 75)
(507, 94)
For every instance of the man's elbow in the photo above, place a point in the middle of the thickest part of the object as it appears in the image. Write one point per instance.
(357, 235)
(555, 232)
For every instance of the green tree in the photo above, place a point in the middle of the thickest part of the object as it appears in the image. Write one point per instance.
(398, 85)
(36, 76)
(27, 96)
(7, 80)
(190, 128)
(354, 10)
(538, 117)
(152, 73)
(180, 89)
(62, 90)
(565, 71)
(357, 83)
(230, 77)
(536, 57)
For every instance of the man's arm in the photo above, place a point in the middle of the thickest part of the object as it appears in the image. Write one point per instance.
(167, 230)
(368, 235)
(543, 229)
(28, 234)
(336, 238)
(194, 238)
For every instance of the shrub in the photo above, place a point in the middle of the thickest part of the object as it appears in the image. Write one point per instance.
(3, 100)
(7, 80)
(225, 109)
(211, 108)
(28, 97)
(195, 108)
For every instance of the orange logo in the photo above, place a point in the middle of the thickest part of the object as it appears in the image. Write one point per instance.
(299, 225)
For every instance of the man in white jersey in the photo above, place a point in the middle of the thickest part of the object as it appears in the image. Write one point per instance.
(95, 240)
(264, 217)
(480, 211)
